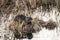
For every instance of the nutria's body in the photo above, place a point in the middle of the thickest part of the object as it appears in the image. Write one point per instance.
(24, 26)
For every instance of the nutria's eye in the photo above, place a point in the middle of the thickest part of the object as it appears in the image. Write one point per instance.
(29, 35)
(20, 17)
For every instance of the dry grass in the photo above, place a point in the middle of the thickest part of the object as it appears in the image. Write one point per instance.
(8, 6)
